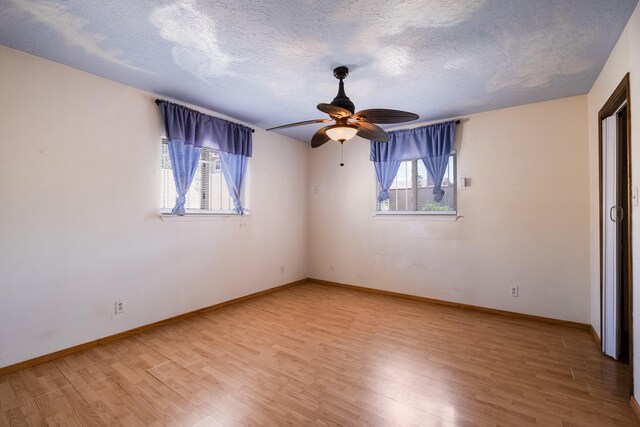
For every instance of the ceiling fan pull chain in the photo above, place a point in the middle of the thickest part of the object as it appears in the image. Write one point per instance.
(341, 154)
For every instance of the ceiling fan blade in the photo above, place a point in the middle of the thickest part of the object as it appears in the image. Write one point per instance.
(370, 131)
(306, 122)
(320, 137)
(382, 115)
(333, 111)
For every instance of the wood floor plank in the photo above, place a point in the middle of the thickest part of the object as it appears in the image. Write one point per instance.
(324, 356)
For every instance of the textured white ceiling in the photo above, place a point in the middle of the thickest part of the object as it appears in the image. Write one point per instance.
(269, 62)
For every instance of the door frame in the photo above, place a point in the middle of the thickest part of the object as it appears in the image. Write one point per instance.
(618, 97)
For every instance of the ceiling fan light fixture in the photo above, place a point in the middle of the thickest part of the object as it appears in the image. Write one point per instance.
(342, 133)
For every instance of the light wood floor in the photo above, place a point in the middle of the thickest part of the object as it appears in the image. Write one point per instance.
(318, 355)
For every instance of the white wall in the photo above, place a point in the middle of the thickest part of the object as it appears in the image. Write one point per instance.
(525, 218)
(625, 58)
(79, 224)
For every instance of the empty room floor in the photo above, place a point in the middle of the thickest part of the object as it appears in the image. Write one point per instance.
(315, 354)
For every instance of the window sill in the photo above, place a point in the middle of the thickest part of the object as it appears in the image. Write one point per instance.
(441, 217)
(223, 216)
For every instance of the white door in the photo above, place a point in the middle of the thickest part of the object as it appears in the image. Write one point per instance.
(610, 239)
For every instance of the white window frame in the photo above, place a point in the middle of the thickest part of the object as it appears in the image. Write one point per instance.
(165, 213)
(434, 213)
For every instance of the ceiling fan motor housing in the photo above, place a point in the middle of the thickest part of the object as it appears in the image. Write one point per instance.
(342, 100)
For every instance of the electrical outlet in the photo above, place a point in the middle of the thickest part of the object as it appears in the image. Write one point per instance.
(331, 267)
(282, 270)
(514, 291)
(119, 307)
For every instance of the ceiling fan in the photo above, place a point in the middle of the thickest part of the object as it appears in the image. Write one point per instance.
(348, 123)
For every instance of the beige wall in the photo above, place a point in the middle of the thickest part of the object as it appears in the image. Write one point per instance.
(525, 218)
(625, 58)
(79, 184)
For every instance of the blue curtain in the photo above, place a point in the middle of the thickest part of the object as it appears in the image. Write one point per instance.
(188, 131)
(234, 168)
(201, 130)
(432, 144)
(386, 172)
(184, 162)
(436, 167)
(439, 139)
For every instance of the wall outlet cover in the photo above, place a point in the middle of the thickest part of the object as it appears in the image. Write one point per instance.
(119, 307)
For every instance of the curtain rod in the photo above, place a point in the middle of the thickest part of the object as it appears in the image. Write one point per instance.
(158, 101)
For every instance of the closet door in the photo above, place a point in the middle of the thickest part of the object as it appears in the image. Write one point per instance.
(610, 240)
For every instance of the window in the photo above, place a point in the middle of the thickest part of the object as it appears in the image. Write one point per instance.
(412, 190)
(208, 193)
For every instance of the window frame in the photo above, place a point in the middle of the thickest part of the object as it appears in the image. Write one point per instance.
(434, 213)
(203, 213)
